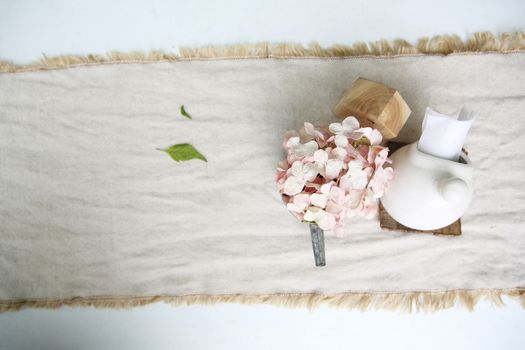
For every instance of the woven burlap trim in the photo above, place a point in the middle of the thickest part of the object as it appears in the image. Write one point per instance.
(482, 42)
(427, 301)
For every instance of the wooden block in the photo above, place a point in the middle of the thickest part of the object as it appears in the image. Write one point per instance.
(386, 222)
(375, 105)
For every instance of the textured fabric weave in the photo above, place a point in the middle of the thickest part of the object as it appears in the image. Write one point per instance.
(89, 207)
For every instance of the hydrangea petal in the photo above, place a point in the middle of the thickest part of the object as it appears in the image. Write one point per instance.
(319, 200)
(305, 149)
(297, 168)
(379, 181)
(333, 168)
(325, 189)
(350, 124)
(293, 141)
(337, 195)
(299, 203)
(312, 213)
(287, 136)
(334, 208)
(293, 185)
(310, 171)
(373, 135)
(341, 141)
(320, 156)
(310, 130)
(326, 221)
(336, 128)
(354, 198)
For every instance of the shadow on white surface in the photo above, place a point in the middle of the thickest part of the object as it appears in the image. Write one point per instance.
(232, 326)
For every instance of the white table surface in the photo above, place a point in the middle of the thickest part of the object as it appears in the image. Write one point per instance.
(29, 29)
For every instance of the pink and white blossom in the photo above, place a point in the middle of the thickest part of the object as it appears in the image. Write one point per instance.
(332, 174)
(300, 174)
(347, 127)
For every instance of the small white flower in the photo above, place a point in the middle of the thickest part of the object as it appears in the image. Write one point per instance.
(328, 168)
(346, 128)
(373, 135)
(301, 149)
(356, 178)
(299, 203)
(320, 199)
(301, 173)
(333, 168)
(325, 220)
(310, 130)
(293, 185)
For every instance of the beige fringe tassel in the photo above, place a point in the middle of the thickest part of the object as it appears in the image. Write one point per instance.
(437, 45)
(406, 301)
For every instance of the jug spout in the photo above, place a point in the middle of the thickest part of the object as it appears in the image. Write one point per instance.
(453, 189)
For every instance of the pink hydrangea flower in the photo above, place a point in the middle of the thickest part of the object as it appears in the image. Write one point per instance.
(332, 174)
(301, 172)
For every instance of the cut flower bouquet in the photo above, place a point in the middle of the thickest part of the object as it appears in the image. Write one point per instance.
(333, 173)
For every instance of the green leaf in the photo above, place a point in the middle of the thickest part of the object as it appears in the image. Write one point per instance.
(184, 113)
(183, 152)
(362, 141)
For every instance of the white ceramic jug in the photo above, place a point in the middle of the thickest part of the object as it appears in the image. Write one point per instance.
(428, 192)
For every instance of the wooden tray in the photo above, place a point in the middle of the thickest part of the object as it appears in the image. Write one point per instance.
(386, 222)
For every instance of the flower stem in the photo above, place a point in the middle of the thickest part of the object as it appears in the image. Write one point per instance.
(318, 244)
